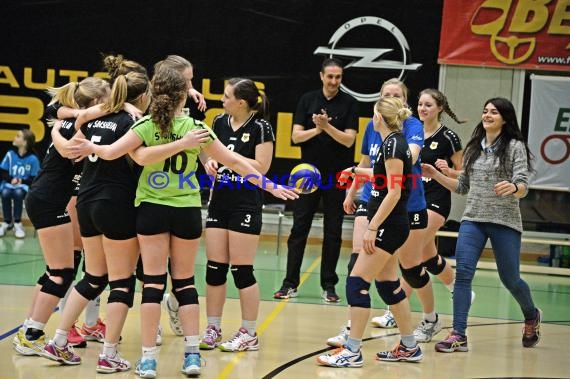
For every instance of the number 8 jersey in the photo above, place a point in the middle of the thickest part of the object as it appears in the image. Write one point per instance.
(172, 182)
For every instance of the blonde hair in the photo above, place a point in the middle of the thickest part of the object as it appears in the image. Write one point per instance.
(126, 89)
(79, 94)
(397, 82)
(393, 112)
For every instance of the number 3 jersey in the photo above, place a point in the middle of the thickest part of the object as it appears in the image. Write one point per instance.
(114, 180)
(172, 182)
(231, 190)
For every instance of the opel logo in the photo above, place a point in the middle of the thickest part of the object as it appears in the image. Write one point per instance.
(369, 58)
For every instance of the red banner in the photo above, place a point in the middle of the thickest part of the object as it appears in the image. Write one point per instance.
(531, 34)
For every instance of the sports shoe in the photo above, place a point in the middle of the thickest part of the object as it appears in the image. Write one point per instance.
(74, 339)
(159, 335)
(385, 321)
(285, 293)
(19, 231)
(531, 330)
(173, 318)
(94, 333)
(28, 347)
(340, 339)
(212, 338)
(146, 368)
(64, 355)
(19, 334)
(109, 365)
(192, 364)
(341, 357)
(3, 228)
(241, 341)
(330, 296)
(401, 353)
(453, 342)
(426, 330)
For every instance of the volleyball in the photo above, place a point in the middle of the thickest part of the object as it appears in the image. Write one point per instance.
(305, 177)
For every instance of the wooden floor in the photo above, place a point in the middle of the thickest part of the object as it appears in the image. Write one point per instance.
(292, 333)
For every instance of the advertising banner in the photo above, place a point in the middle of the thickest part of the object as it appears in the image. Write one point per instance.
(549, 132)
(530, 34)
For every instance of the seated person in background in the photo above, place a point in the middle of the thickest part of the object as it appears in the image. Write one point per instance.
(18, 169)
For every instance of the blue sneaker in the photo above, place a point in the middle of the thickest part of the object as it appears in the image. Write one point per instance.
(192, 364)
(401, 353)
(146, 368)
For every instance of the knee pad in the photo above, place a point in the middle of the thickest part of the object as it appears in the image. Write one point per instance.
(55, 289)
(186, 296)
(434, 266)
(42, 279)
(118, 295)
(76, 262)
(216, 273)
(153, 294)
(416, 276)
(386, 291)
(357, 292)
(243, 276)
(352, 262)
(91, 286)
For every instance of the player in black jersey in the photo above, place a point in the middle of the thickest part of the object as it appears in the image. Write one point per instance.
(442, 149)
(107, 220)
(46, 205)
(233, 225)
(388, 229)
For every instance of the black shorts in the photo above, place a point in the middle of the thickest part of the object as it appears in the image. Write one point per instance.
(391, 236)
(182, 222)
(442, 208)
(247, 222)
(418, 220)
(43, 214)
(361, 208)
(114, 221)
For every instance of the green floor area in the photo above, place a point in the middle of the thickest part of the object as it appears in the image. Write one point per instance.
(21, 263)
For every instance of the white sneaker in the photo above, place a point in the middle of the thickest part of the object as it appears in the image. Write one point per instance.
(385, 321)
(173, 318)
(426, 330)
(341, 357)
(340, 339)
(19, 231)
(3, 227)
(159, 335)
(241, 341)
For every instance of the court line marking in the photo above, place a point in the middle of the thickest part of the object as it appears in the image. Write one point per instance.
(228, 369)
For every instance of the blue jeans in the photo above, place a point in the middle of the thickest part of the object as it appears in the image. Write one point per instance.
(15, 195)
(506, 243)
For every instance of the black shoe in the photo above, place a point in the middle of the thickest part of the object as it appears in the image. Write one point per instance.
(330, 296)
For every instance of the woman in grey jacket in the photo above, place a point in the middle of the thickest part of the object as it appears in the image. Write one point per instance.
(496, 169)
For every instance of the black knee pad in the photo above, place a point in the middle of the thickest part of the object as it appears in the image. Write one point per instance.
(386, 291)
(91, 286)
(118, 295)
(357, 292)
(58, 290)
(416, 276)
(216, 273)
(139, 272)
(76, 262)
(153, 294)
(243, 276)
(352, 262)
(186, 296)
(42, 279)
(434, 266)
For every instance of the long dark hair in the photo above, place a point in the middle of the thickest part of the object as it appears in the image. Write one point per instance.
(510, 131)
(245, 89)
